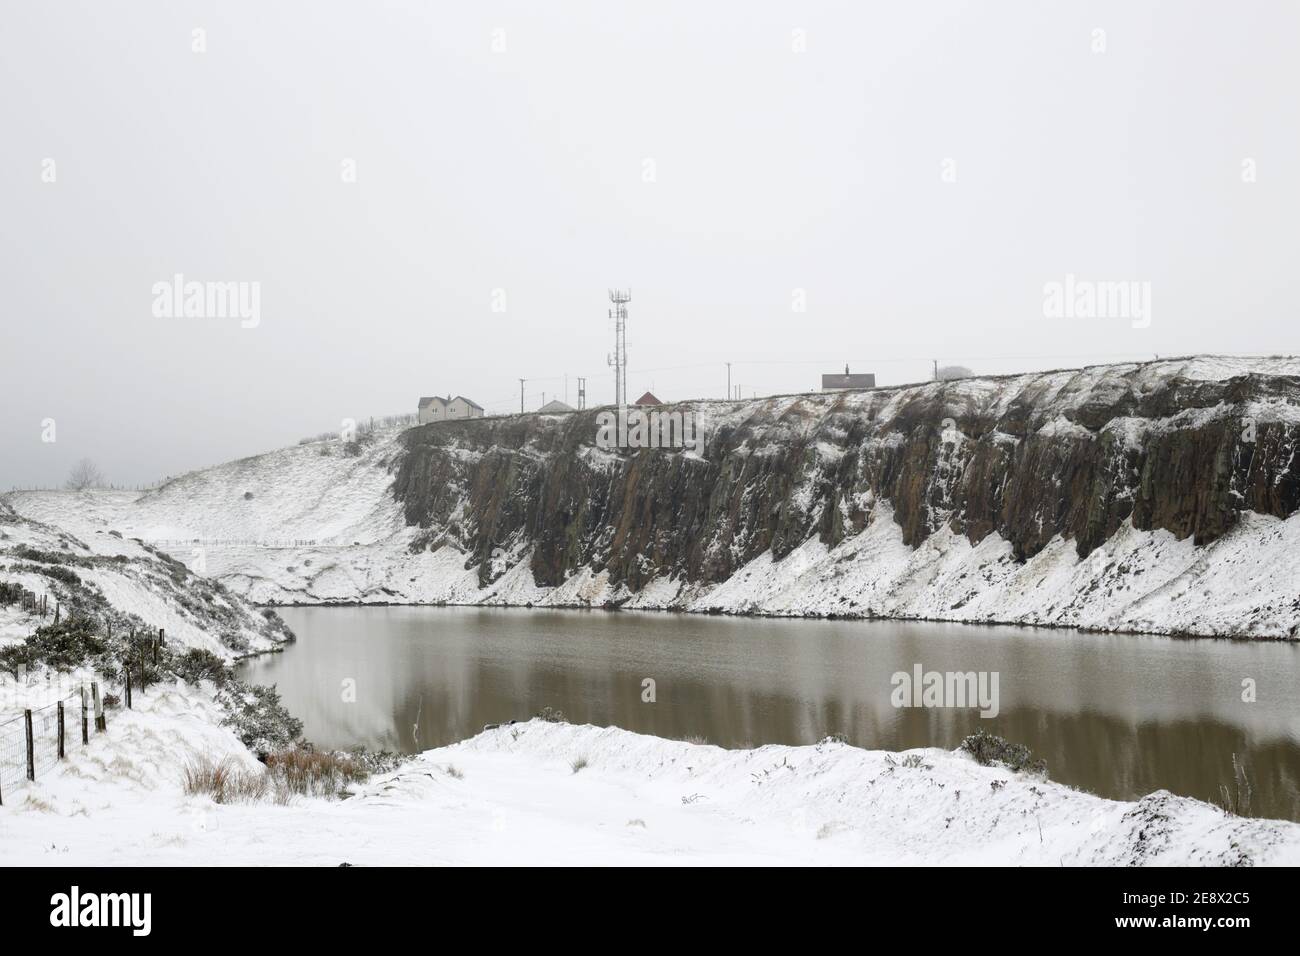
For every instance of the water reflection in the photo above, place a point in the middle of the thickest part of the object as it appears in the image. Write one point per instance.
(1117, 715)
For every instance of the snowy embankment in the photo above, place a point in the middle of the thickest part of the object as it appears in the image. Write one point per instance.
(512, 796)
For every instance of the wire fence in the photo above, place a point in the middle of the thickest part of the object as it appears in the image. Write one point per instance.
(35, 740)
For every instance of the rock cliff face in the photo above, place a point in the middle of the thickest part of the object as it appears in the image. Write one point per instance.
(1074, 454)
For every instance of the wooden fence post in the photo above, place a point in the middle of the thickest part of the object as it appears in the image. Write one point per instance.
(126, 669)
(61, 730)
(31, 753)
(100, 724)
(85, 721)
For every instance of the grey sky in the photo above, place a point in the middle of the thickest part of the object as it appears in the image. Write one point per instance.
(524, 170)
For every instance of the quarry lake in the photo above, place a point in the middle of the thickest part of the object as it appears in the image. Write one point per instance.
(1118, 715)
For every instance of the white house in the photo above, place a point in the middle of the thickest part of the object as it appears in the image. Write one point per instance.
(462, 407)
(435, 409)
(432, 410)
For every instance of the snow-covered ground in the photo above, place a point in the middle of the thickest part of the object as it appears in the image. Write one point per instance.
(511, 795)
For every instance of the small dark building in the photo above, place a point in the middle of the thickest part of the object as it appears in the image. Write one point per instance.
(837, 383)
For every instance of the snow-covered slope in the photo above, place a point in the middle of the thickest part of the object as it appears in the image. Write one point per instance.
(1149, 497)
(114, 580)
(512, 796)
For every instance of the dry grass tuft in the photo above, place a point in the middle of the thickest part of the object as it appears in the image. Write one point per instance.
(315, 773)
(292, 772)
(225, 781)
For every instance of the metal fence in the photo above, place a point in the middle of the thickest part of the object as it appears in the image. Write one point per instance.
(34, 741)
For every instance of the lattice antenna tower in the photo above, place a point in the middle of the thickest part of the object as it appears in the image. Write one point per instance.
(619, 357)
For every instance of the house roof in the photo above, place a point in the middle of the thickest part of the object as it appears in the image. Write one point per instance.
(648, 399)
(470, 401)
(430, 401)
(556, 407)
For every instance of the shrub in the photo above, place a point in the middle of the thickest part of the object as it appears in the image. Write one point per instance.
(551, 715)
(258, 718)
(64, 646)
(53, 572)
(578, 764)
(197, 664)
(989, 748)
(14, 660)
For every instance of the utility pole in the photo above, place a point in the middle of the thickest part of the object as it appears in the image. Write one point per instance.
(728, 380)
(521, 396)
(582, 393)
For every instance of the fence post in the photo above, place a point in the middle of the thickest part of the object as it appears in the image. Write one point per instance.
(31, 754)
(85, 724)
(61, 730)
(126, 669)
(99, 707)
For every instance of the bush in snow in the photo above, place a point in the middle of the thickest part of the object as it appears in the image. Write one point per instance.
(989, 748)
(63, 646)
(197, 664)
(551, 715)
(258, 718)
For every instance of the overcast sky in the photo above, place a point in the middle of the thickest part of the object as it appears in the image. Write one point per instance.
(911, 174)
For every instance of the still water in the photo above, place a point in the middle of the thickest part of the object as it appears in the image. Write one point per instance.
(1118, 715)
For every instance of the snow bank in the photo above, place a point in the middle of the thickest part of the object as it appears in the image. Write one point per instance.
(512, 796)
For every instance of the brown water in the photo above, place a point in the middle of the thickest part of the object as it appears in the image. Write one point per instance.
(1117, 715)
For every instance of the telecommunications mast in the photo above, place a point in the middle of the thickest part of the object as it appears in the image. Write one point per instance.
(619, 358)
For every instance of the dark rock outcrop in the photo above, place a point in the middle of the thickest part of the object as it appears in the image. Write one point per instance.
(1029, 457)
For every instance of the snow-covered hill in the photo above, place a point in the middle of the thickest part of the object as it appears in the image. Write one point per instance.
(124, 584)
(1149, 497)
